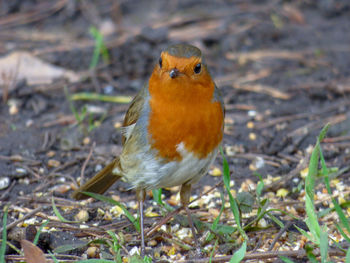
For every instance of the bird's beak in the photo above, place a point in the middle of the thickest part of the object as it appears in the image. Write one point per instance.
(174, 73)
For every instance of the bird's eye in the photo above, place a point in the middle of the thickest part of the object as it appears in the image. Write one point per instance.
(160, 62)
(197, 68)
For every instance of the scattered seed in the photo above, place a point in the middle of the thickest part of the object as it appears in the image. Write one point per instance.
(216, 171)
(53, 163)
(118, 125)
(282, 192)
(13, 110)
(250, 125)
(86, 140)
(152, 243)
(82, 216)
(92, 252)
(116, 211)
(304, 172)
(252, 136)
(50, 154)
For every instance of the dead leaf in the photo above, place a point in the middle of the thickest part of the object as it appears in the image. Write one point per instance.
(32, 253)
(20, 65)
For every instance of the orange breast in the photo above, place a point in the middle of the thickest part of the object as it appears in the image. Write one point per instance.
(182, 112)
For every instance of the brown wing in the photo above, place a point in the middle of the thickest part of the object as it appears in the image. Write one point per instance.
(133, 113)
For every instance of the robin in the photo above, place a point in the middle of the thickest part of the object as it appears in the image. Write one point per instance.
(171, 131)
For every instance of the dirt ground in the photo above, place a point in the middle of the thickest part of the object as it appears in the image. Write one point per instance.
(283, 68)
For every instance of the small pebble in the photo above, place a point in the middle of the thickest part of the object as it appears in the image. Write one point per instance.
(21, 171)
(98, 168)
(29, 123)
(4, 182)
(251, 113)
(184, 232)
(259, 162)
(93, 109)
(134, 250)
(108, 89)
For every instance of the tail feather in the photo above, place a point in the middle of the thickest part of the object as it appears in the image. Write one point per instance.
(99, 183)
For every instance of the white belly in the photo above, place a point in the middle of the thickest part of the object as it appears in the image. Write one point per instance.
(145, 171)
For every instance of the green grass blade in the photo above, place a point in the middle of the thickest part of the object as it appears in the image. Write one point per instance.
(68, 247)
(96, 54)
(312, 173)
(95, 261)
(341, 231)
(4, 235)
(262, 210)
(99, 97)
(347, 258)
(216, 221)
(157, 196)
(275, 219)
(323, 132)
(338, 209)
(71, 105)
(239, 254)
(103, 198)
(260, 185)
(311, 256)
(286, 260)
(100, 48)
(214, 225)
(233, 202)
(58, 214)
(324, 245)
(312, 220)
(304, 233)
(116, 246)
(213, 250)
(53, 257)
(35, 241)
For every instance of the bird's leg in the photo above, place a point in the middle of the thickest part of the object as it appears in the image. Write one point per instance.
(185, 194)
(141, 196)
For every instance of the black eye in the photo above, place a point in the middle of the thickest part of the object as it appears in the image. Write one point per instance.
(160, 62)
(197, 68)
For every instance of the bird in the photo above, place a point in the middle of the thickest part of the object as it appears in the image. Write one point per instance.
(172, 132)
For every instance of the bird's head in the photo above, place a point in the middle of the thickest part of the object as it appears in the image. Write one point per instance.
(181, 72)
